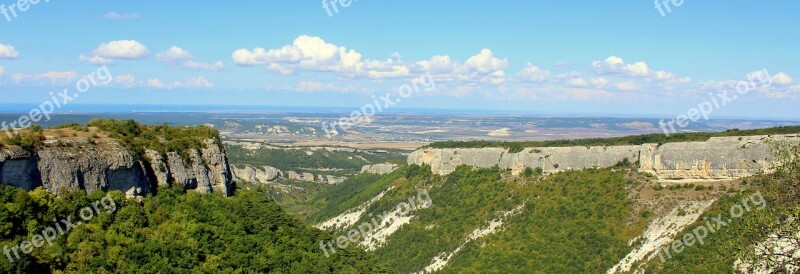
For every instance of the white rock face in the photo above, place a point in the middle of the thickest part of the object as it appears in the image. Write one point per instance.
(379, 168)
(719, 158)
(261, 175)
(660, 234)
(113, 167)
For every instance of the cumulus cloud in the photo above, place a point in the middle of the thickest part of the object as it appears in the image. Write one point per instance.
(120, 16)
(51, 77)
(95, 60)
(627, 86)
(198, 82)
(156, 83)
(313, 54)
(574, 79)
(781, 78)
(483, 67)
(8, 52)
(533, 74)
(125, 80)
(485, 62)
(614, 65)
(305, 53)
(106, 53)
(180, 57)
(314, 86)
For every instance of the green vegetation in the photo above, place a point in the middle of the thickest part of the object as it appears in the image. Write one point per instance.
(657, 138)
(571, 222)
(161, 138)
(350, 194)
(307, 159)
(29, 140)
(173, 232)
(736, 240)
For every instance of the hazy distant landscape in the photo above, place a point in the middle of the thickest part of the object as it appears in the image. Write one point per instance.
(304, 127)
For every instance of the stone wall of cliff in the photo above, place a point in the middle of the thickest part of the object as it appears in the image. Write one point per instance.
(108, 165)
(719, 158)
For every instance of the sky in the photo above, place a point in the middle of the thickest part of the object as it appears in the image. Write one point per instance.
(602, 58)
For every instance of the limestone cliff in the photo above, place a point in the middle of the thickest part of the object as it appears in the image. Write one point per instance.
(719, 158)
(107, 165)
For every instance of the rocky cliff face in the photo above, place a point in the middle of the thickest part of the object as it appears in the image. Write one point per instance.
(719, 158)
(110, 166)
(268, 175)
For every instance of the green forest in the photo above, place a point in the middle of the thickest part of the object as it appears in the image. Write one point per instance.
(307, 159)
(173, 232)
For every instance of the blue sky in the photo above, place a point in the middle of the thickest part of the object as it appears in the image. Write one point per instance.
(544, 57)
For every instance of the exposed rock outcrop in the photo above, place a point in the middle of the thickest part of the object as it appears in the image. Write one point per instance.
(110, 166)
(269, 175)
(262, 175)
(719, 158)
(379, 168)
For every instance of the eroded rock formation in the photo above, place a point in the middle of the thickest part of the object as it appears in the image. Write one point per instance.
(719, 158)
(110, 166)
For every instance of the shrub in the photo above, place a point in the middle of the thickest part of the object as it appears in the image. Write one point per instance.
(700, 188)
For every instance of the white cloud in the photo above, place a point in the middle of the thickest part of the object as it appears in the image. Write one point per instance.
(106, 53)
(485, 62)
(120, 16)
(8, 52)
(305, 53)
(96, 60)
(314, 86)
(480, 68)
(180, 57)
(580, 82)
(51, 77)
(155, 83)
(174, 54)
(312, 54)
(782, 79)
(533, 74)
(616, 65)
(198, 82)
(627, 86)
(125, 80)
(122, 49)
